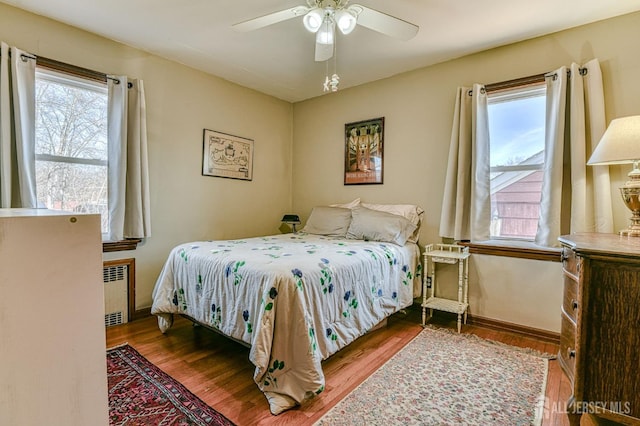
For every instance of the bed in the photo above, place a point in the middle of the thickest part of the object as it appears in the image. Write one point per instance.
(295, 299)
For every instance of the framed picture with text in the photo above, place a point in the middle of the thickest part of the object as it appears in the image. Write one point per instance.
(364, 147)
(227, 156)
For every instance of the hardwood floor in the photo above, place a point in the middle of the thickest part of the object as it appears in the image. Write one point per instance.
(218, 369)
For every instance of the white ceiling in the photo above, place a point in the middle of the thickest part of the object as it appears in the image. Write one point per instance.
(279, 60)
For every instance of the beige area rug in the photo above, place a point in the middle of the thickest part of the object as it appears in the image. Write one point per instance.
(445, 378)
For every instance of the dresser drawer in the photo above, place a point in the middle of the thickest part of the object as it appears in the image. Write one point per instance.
(570, 262)
(567, 354)
(570, 300)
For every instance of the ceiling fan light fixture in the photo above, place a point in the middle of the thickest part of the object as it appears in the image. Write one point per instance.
(326, 32)
(313, 19)
(346, 20)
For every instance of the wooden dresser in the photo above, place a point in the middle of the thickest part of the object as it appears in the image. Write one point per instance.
(600, 332)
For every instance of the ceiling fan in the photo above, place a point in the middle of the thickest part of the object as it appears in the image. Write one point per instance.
(323, 16)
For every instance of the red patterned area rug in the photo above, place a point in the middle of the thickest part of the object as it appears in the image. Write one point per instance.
(444, 378)
(143, 395)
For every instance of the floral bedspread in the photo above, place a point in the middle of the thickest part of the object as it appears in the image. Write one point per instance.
(294, 298)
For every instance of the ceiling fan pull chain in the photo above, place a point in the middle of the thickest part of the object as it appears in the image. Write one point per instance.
(335, 54)
(325, 85)
(335, 79)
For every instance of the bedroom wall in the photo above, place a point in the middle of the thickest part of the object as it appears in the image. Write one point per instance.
(418, 107)
(304, 142)
(181, 102)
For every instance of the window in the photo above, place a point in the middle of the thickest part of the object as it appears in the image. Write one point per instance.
(517, 131)
(71, 144)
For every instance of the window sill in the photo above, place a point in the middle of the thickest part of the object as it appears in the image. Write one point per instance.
(520, 250)
(128, 244)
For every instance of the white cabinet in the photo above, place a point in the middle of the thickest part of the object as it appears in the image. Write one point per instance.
(52, 338)
(451, 254)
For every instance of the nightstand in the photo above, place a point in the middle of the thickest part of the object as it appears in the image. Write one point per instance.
(450, 254)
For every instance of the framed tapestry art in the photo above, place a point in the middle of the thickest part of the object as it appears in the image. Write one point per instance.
(227, 156)
(363, 159)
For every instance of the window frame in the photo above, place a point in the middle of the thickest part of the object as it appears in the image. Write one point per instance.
(511, 94)
(522, 249)
(47, 75)
(506, 248)
(87, 74)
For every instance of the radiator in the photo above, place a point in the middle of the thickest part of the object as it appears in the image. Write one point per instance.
(116, 303)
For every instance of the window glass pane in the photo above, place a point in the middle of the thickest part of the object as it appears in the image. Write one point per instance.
(71, 144)
(71, 117)
(79, 188)
(515, 205)
(516, 128)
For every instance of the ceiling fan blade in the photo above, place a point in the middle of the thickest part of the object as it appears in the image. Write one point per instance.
(323, 51)
(386, 24)
(270, 19)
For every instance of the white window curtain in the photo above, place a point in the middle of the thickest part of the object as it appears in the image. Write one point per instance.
(128, 192)
(572, 192)
(466, 205)
(17, 128)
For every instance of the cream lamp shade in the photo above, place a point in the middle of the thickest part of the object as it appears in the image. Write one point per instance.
(620, 144)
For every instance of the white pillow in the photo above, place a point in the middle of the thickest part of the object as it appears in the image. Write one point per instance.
(375, 225)
(330, 221)
(409, 211)
(349, 205)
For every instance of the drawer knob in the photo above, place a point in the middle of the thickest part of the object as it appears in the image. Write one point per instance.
(571, 353)
(574, 304)
(564, 256)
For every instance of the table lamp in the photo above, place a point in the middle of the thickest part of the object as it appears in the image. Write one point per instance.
(291, 220)
(620, 144)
